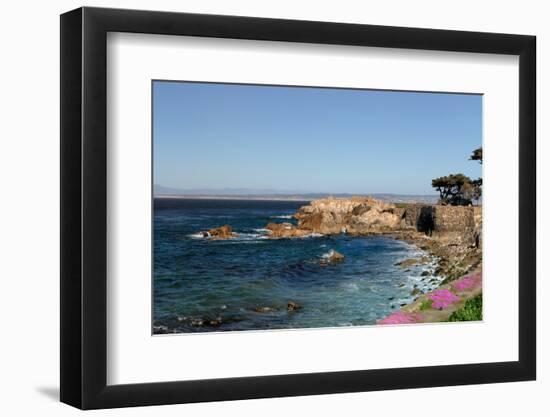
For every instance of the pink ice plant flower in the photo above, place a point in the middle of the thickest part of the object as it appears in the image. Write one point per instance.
(400, 317)
(442, 299)
(467, 283)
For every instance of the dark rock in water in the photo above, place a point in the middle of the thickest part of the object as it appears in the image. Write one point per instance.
(425, 273)
(391, 298)
(415, 291)
(401, 285)
(293, 306)
(215, 323)
(196, 322)
(205, 234)
(331, 257)
(265, 309)
(200, 322)
(160, 329)
(403, 305)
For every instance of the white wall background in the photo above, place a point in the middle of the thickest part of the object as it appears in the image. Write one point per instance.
(29, 225)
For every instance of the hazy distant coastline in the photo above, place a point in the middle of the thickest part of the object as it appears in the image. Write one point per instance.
(276, 195)
(395, 198)
(234, 197)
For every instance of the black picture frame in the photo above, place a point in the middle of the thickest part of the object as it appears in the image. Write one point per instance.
(84, 207)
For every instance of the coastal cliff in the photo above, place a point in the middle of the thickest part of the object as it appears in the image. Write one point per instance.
(451, 233)
(365, 215)
(357, 215)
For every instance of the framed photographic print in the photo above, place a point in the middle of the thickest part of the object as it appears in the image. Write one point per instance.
(258, 207)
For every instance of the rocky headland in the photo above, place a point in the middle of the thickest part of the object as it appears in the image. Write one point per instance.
(450, 234)
(453, 234)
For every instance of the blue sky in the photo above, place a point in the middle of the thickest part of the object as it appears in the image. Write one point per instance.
(215, 136)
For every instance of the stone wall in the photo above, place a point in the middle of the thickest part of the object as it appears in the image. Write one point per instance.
(446, 221)
(419, 217)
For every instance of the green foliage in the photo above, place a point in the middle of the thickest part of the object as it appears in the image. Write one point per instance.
(426, 305)
(477, 155)
(472, 311)
(454, 189)
(458, 189)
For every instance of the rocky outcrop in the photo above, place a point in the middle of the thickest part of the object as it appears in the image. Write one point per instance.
(453, 234)
(285, 230)
(365, 215)
(413, 261)
(222, 232)
(293, 306)
(331, 257)
(357, 215)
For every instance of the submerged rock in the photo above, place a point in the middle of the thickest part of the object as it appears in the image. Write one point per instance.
(293, 306)
(215, 323)
(200, 322)
(160, 329)
(196, 322)
(331, 257)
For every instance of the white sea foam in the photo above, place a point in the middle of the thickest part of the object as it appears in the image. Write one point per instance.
(251, 236)
(198, 235)
(283, 216)
(328, 255)
(351, 286)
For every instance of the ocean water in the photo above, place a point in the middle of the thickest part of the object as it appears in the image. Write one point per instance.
(204, 285)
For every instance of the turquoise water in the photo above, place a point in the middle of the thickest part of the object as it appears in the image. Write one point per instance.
(203, 285)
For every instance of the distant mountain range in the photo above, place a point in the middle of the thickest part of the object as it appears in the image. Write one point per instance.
(160, 191)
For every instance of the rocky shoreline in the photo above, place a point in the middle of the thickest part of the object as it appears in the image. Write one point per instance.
(450, 234)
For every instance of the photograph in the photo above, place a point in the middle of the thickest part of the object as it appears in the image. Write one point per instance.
(293, 207)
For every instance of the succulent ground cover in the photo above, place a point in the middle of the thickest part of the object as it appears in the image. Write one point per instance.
(460, 300)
